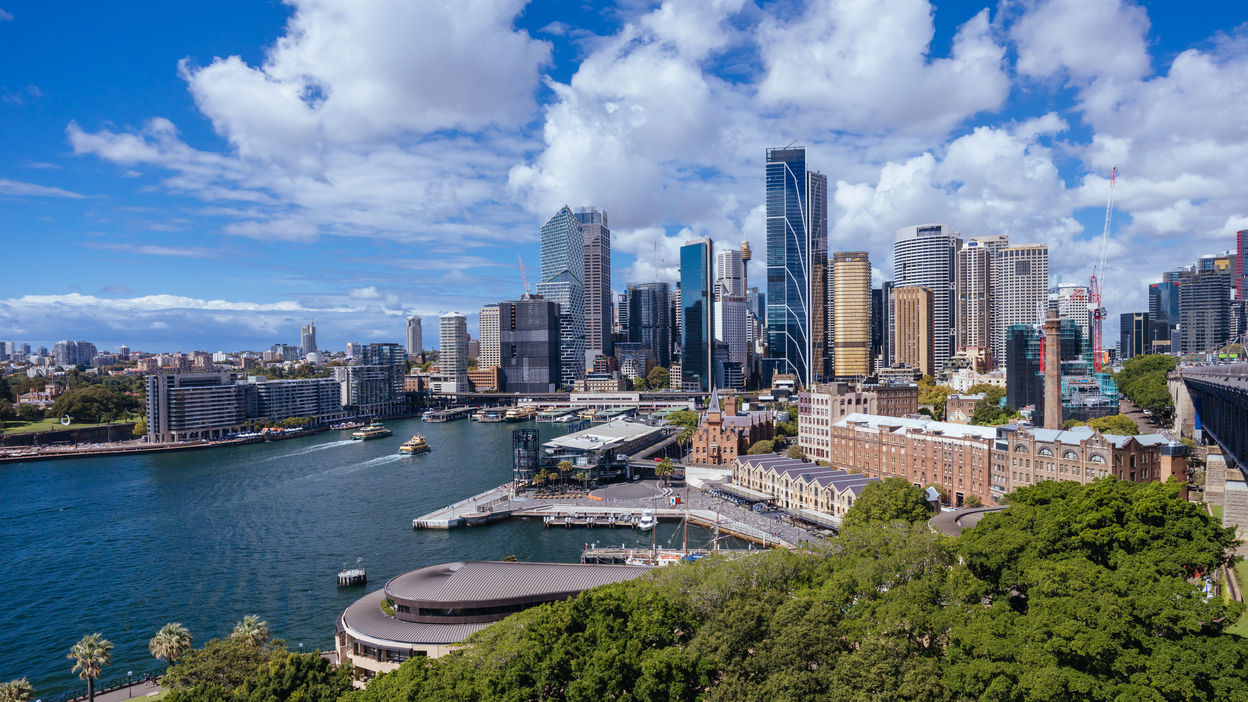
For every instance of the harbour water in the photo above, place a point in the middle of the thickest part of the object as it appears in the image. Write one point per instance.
(121, 545)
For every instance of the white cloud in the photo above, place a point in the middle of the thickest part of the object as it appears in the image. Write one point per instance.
(156, 250)
(366, 293)
(19, 189)
(1086, 39)
(5, 16)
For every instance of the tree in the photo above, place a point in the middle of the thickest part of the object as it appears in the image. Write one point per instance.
(688, 422)
(251, 630)
(1072, 423)
(889, 500)
(972, 501)
(170, 642)
(1119, 424)
(140, 428)
(8, 412)
(935, 395)
(90, 403)
(564, 467)
(640, 383)
(29, 413)
(657, 378)
(664, 469)
(221, 663)
(296, 676)
(19, 690)
(796, 453)
(761, 447)
(90, 655)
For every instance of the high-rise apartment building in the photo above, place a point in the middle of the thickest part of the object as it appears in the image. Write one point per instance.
(797, 257)
(914, 328)
(529, 344)
(597, 282)
(924, 256)
(1241, 264)
(488, 351)
(307, 339)
(731, 315)
(698, 328)
(1020, 279)
(563, 282)
(73, 353)
(851, 275)
(649, 320)
(415, 340)
(973, 312)
(453, 357)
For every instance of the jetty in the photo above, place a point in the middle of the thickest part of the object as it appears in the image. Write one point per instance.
(449, 415)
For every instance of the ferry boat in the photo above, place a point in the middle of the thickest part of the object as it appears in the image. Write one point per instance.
(372, 431)
(478, 415)
(342, 426)
(416, 444)
(520, 414)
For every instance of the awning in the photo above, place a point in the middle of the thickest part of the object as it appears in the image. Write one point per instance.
(820, 518)
(745, 492)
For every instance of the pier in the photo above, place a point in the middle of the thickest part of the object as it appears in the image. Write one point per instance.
(449, 415)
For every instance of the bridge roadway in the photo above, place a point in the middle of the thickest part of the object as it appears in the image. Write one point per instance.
(1219, 397)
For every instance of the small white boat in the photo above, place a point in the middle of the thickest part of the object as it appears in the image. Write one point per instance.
(647, 521)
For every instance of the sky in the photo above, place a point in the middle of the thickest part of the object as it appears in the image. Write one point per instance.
(181, 176)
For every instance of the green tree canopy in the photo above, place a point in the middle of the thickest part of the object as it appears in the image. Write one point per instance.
(657, 378)
(664, 469)
(1143, 381)
(1119, 424)
(90, 655)
(90, 403)
(170, 642)
(761, 447)
(886, 501)
(19, 690)
(796, 453)
(251, 630)
(221, 663)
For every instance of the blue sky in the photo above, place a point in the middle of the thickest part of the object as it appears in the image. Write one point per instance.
(182, 176)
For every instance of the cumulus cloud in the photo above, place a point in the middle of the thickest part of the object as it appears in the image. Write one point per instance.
(1085, 39)
(366, 293)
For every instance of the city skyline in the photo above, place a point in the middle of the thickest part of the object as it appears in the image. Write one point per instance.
(160, 209)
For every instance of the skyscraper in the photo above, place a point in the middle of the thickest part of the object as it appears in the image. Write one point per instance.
(1020, 279)
(698, 323)
(851, 272)
(649, 320)
(597, 282)
(453, 358)
(1241, 264)
(563, 282)
(488, 351)
(923, 256)
(797, 253)
(885, 356)
(415, 341)
(1204, 305)
(529, 344)
(730, 309)
(974, 294)
(1133, 333)
(307, 339)
(1071, 300)
(914, 337)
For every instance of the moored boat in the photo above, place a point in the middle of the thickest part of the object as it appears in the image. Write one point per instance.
(342, 426)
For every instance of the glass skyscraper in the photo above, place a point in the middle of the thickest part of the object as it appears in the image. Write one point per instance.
(597, 282)
(698, 322)
(649, 320)
(563, 282)
(797, 260)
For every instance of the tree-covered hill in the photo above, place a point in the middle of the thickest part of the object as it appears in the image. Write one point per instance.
(1072, 593)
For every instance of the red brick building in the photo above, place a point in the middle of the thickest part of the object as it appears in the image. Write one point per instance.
(726, 433)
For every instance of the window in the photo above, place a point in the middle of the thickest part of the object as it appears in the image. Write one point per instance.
(1020, 449)
(1070, 456)
(1046, 452)
(1096, 458)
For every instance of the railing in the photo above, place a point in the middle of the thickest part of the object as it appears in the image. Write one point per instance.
(102, 686)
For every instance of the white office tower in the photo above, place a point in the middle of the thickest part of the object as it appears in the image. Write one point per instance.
(307, 339)
(1071, 300)
(730, 310)
(453, 359)
(415, 341)
(973, 315)
(923, 256)
(489, 349)
(563, 281)
(1020, 281)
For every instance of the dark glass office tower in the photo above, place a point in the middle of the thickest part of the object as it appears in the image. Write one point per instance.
(797, 261)
(697, 318)
(529, 345)
(649, 320)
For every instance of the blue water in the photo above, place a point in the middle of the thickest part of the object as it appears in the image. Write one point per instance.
(122, 545)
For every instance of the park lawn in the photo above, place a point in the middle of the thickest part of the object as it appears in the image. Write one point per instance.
(1217, 512)
(49, 424)
(1241, 574)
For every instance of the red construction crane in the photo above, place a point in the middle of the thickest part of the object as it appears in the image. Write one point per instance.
(1096, 311)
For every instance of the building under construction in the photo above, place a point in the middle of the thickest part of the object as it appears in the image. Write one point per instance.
(1086, 395)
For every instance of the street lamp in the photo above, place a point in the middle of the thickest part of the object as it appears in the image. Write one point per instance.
(129, 684)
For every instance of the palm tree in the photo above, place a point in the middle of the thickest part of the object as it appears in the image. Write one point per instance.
(252, 630)
(564, 467)
(19, 690)
(171, 641)
(664, 470)
(90, 655)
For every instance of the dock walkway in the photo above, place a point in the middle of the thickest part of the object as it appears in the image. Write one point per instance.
(459, 514)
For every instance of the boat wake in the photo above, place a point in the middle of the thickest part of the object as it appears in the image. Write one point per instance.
(312, 449)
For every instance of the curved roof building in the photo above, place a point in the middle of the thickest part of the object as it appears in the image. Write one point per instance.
(437, 607)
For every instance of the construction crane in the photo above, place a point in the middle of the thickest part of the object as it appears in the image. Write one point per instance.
(1096, 310)
(523, 278)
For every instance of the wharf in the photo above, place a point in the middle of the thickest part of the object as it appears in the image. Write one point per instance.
(497, 505)
(448, 415)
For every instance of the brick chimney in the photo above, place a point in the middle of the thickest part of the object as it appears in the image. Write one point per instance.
(1052, 371)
